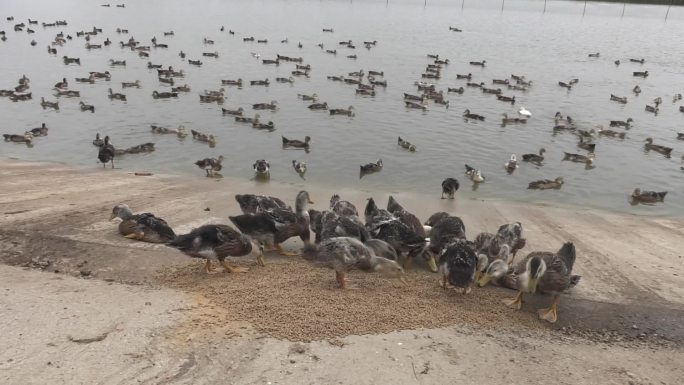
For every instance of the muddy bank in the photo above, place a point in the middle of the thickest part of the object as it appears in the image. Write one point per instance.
(631, 266)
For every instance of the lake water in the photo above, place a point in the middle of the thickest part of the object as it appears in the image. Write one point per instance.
(546, 47)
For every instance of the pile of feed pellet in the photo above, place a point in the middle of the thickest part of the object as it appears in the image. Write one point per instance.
(290, 299)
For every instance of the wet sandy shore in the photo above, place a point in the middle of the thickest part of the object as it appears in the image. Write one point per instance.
(190, 328)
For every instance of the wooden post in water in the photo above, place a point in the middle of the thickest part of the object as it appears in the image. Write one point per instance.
(502, 4)
(623, 10)
(544, 6)
(585, 8)
(425, 5)
(462, 4)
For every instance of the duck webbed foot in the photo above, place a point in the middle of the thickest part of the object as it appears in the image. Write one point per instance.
(136, 235)
(515, 303)
(549, 314)
(260, 260)
(232, 269)
(208, 268)
(284, 252)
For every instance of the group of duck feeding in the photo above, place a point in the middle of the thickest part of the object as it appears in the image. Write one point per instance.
(387, 242)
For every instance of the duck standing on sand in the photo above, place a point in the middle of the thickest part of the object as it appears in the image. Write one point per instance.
(343, 254)
(277, 225)
(218, 241)
(142, 227)
(545, 273)
(459, 266)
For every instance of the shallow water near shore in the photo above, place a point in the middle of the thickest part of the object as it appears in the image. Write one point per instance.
(522, 39)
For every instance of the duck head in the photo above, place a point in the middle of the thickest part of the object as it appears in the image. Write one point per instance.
(301, 201)
(121, 211)
(495, 270)
(535, 269)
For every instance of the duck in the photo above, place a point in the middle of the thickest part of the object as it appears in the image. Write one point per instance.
(252, 204)
(474, 175)
(648, 196)
(642, 74)
(545, 273)
(218, 241)
(135, 84)
(459, 266)
(183, 88)
(667, 151)
(144, 227)
(508, 99)
(381, 224)
(511, 164)
(565, 85)
(412, 221)
(277, 225)
(167, 95)
(313, 97)
(218, 99)
(180, 131)
(231, 82)
(329, 224)
(47, 104)
(652, 109)
(449, 187)
(296, 143)
(342, 111)
(640, 61)
(461, 76)
(458, 90)
(68, 93)
(89, 79)
(63, 84)
(597, 54)
(546, 184)
(478, 63)
(117, 96)
(676, 98)
(585, 145)
(264, 126)
(206, 138)
(318, 106)
(636, 90)
(26, 138)
(406, 145)
(299, 167)
(621, 123)
(506, 120)
(210, 165)
(113, 62)
(265, 106)
(578, 158)
(611, 133)
(264, 82)
(244, 119)
(680, 136)
(535, 158)
(39, 131)
(468, 115)
(369, 168)
(342, 207)
(524, 112)
(106, 153)
(194, 62)
(344, 253)
(285, 80)
(262, 168)
(237, 112)
(419, 106)
(98, 142)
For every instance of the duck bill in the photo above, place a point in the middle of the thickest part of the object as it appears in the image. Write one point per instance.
(484, 280)
(112, 216)
(311, 202)
(432, 264)
(532, 285)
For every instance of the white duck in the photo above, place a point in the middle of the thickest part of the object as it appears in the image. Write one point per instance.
(255, 55)
(475, 175)
(524, 112)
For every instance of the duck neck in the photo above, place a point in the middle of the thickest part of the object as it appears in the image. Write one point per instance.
(124, 213)
(300, 206)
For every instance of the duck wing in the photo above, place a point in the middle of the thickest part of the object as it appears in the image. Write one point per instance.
(446, 231)
(334, 225)
(258, 225)
(458, 263)
(157, 225)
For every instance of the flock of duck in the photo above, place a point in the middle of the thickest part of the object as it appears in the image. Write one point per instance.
(387, 241)
(365, 83)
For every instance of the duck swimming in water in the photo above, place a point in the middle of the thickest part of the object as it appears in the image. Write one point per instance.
(262, 168)
(546, 184)
(474, 174)
(511, 164)
(369, 168)
(535, 158)
(648, 196)
(295, 143)
(449, 187)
